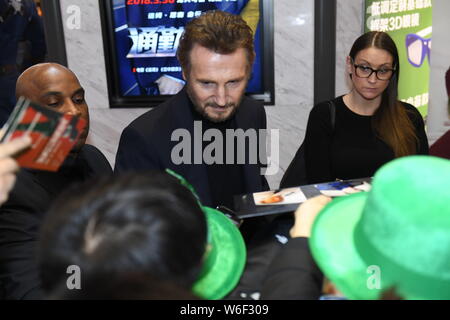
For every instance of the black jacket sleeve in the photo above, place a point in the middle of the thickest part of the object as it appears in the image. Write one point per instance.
(263, 125)
(96, 160)
(419, 125)
(19, 276)
(293, 274)
(135, 153)
(20, 218)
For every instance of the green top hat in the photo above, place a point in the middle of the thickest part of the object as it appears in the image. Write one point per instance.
(224, 260)
(397, 236)
(225, 254)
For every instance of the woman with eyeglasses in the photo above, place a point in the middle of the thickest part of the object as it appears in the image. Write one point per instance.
(371, 126)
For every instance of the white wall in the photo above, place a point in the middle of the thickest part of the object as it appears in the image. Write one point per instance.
(349, 26)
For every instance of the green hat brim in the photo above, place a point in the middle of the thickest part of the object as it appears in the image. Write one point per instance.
(224, 266)
(368, 244)
(332, 246)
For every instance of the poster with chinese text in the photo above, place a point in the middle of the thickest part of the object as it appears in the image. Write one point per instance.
(147, 34)
(409, 23)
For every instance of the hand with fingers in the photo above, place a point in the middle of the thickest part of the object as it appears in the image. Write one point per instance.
(306, 214)
(9, 166)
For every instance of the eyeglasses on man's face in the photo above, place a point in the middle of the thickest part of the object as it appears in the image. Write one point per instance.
(363, 71)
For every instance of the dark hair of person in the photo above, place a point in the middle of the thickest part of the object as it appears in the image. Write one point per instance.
(391, 121)
(137, 223)
(123, 287)
(218, 31)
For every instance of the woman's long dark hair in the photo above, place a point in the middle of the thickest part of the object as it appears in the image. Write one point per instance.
(391, 121)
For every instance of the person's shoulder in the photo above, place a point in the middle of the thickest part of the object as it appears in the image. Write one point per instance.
(28, 195)
(412, 111)
(96, 159)
(147, 120)
(251, 114)
(160, 117)
(90, 149)
(409, 107)
(251, 105)
(252, 102)
(322, 109)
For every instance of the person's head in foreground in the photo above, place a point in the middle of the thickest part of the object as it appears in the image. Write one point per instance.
(216, 55)
(394, 239)
(124, 287)
(139, 225)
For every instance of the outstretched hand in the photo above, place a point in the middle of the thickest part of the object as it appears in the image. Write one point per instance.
(9, 166)
(305, 215)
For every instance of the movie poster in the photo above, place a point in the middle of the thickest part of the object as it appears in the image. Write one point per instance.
(147, 34)
(409, 23)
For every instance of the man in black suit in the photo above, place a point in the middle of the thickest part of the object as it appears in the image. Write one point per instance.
(194, 133)
(57, 87)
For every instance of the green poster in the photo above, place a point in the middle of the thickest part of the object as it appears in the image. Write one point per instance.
(409, 23)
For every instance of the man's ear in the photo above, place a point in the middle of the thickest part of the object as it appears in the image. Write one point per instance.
(183, 73)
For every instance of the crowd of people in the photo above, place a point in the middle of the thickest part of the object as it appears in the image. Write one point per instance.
(151, 229)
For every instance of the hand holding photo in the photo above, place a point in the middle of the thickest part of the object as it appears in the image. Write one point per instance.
(53, 134)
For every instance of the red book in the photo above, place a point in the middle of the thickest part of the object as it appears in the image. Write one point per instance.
(53, 134)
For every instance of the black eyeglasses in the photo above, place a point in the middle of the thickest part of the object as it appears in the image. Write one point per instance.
(365, 72)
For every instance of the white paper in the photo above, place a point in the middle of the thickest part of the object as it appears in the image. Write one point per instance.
(285, 196)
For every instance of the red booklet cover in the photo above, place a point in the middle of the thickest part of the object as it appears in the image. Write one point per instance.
(53, 134)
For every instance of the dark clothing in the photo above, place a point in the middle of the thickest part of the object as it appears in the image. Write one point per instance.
(441, 147)
(149, 141)
(22, 215)
(229, 175)
(293, 274)
(230, 183)
(17, 23)
(351, 150)
(262, 250)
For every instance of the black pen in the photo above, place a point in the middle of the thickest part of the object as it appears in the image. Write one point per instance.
(288, 194)
(277, 190)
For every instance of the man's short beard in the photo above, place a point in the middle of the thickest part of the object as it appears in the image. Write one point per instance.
(203, 112)
(205, 115)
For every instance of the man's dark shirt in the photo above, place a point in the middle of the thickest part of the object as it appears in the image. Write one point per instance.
(225, 180)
